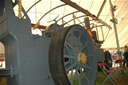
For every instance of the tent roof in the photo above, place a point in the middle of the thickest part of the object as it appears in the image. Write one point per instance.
(92, 6)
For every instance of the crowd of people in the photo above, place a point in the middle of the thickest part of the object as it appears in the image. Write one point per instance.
(112, 56)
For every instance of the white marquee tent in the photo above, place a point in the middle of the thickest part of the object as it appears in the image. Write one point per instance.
(93, 6)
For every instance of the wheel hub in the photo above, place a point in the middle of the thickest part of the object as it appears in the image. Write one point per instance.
(82, 58)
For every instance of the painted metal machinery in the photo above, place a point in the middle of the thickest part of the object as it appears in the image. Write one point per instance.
(66, 56)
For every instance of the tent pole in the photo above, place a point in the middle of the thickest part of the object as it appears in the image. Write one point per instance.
(114, 21)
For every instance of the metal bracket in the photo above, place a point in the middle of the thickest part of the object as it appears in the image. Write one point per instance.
(7, 72)
(114, 20)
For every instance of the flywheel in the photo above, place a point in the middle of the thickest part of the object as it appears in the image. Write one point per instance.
(72, 57)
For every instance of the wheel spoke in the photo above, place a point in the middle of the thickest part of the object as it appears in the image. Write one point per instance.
(79, 42)
(74, 75)
(79, 79)
(86, 66)
(79, 45)
(72, 37)
(75, 40)
(70, 48)
(83, 47)
(83, 75)
(79, 35)
(82, 65)
(71, 80)
(67, 45)
(67, 62)
(70, 67)
(69, 56)
(86, 78)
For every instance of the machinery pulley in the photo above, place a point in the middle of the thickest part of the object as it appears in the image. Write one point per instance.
(72, 57)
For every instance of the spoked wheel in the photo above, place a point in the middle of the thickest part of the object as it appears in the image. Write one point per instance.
(72, 57)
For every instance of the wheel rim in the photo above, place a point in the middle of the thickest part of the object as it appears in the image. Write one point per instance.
(72, 58)
(76, 58)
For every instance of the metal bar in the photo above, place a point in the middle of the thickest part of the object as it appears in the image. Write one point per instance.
(39, 26)
(74, 5)
(97, 26)
(107, 34)
(101, 8)
(93, 26)
(20, 9)
(50, 11)
(74, 20)
(115, 30)
(97, 33)
(67, 15)
(114, 25)
(62, 21)
(33, 6)
(80, 22)
(24, 12)
(87, 22)
(102, 33)
(5, 72)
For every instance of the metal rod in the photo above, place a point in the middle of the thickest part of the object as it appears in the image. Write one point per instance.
(19, 9)
(102, 33)
(80, 22)
(101, 8)
(62, 21)
(75, 18)
(97, 26)
(97, 33)
(67, 15)
(114, 25)
(50, 11)
(33, 6)
(39, 26)
(107, 34)
(115, 29)
(74, 5)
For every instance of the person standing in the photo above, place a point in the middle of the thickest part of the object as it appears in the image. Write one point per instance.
(108, 58)
(126, 55)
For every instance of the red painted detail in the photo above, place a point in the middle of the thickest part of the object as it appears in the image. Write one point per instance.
(90, 33)
(120, 60)
(1, 59)
(102, 64)
(110, 71)
(40, 26)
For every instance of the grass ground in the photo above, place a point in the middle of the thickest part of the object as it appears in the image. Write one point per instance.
(100, 78)
(123, 79)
